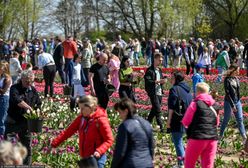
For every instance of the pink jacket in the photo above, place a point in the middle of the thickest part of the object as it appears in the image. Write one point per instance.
(189, 114)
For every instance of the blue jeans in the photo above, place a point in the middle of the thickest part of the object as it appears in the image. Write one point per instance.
(101, 161)
(149, 58)
(177, 139)
(165, 61)
(221, 71)
(4, 105)
(238, 116)
(136, 57)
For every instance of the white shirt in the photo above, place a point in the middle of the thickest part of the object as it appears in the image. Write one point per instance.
(44, 59)
(204, 59)
(76, 74)
(14, 67)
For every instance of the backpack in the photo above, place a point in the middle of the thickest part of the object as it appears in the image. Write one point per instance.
(181, 105)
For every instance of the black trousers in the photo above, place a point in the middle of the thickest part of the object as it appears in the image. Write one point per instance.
(59, 68)
(156, 110)
(188, 66)
(24, 136)
(103, 98)
(86, 74)
(49, 75)
(126, 91)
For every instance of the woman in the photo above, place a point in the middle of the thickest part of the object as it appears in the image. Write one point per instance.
(86, 60)
(205, 60)
(5, 83)
(134, 141)
(201, 120)
(114, 66)
(126, 79)
(178, 101)
(232, 101)
(76, 76)
(95, 134)
(46, 62)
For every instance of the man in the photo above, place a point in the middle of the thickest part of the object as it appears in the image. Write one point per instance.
(23, 97)
(58, 57)
(222, 63)
(99, 77)
(70, 49)
(245, 55)
(153, 86)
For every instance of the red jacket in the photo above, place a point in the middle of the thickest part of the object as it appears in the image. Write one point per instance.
(70, 48)
(94, 135)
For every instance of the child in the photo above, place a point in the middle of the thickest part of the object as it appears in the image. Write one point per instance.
(197, 77)
(201, 121)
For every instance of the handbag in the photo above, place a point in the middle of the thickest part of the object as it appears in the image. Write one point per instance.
(89, 162)
(246, 146)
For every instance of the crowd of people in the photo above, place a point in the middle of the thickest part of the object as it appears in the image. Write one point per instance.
(82, 65)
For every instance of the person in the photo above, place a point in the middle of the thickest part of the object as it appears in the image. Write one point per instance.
(177, 55)
(178, 101)
(70, 49)
(245, 55)
(11, 154)
(136, 51)
(95, 134)
(201, 120)
(114, 66)
(134, 142)
(23, 97)
(153, 86)
(15, 67)
(126, 79)
(190, 56)
(99, 77)
(232, 101)
(58, 56)
(5, 83)
(222, 63)
(205, 60)
(76, 76)
(46, 62)
(86, 60)
(197, 77)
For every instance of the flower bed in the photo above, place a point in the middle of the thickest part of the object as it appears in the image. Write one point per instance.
(230, 152)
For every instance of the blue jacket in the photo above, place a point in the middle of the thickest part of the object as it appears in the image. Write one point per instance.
(196, 78)
(181, 90)
(134, 147)
(70, 74)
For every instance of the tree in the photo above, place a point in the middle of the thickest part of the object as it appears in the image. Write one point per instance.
(228, 11)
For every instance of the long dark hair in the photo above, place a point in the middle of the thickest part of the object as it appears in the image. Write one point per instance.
(124, 59)
(233, 68)
(128, 104)
(179, 77)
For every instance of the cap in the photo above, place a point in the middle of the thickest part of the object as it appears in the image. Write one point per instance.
(198, 66)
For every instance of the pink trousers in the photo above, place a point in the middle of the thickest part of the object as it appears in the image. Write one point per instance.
(204, 148)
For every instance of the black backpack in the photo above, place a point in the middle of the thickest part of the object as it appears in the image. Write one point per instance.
(181, 105)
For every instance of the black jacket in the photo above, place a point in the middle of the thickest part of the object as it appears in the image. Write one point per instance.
(150, 78)
(58, 54)
(204, 123)
(18, 94)
(134, 146)
(231, 85)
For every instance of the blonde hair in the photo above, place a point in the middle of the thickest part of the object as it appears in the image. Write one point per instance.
(5, 68)
(202, 87)
(89, 100)
(12, 154)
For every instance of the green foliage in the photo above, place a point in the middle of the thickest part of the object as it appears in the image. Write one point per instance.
(204, 29)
